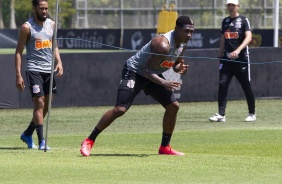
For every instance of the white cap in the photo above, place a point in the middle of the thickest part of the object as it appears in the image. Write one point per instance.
(236, 2)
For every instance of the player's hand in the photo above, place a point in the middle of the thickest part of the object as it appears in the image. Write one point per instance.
(20, 83)
(170, 85)
(182, 68)
(59, 69)
(234, 55)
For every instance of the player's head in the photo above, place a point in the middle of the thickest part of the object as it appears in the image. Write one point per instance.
(40, 8)
(232, 7)
(233, 2)
(184, 28)
(36, 2)
(183, 20)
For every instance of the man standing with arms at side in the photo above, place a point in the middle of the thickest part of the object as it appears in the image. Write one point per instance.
(144, 71)
(236, 35)
(36, 35)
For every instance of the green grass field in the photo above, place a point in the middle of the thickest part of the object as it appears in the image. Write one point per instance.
(126, 152)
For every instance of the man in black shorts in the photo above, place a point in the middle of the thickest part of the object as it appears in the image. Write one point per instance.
(36, 35)
(144, 71)
(236, 35)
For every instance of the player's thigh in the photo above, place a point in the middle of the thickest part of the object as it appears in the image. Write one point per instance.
(160, 94)
(46, 84)
(243, 77)
(225, 78)
(35, 82)
(127, 91)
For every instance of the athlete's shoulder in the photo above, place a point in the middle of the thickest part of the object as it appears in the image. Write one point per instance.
(30, 22)
(169, 35)
(26, 27)
(226, 19)
(245, 21)
(160, 45)
(49, 20)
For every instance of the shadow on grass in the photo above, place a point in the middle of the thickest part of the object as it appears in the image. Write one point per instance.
(121, 155)
(13, 148)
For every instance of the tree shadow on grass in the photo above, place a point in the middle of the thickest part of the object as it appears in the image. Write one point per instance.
(13, 148)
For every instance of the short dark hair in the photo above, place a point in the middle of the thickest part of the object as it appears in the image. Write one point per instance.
(182, 20)
(36, 2)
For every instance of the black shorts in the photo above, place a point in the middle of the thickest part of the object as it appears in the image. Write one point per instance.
(131, 84)
(39, 83)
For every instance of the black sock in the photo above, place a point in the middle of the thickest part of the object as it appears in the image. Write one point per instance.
(94, 134)
(30, 129)
(39, 131)
(166, 139)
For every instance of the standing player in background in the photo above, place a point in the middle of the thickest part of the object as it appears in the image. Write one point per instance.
(144, 71)
(36, 35)
(236, 35)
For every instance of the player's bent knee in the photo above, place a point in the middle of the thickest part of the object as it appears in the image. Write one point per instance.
(38, 102)
(222, 83)
(174, 107)
(119, 111)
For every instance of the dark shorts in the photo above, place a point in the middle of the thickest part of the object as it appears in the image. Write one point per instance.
(239, 69)
(131, 84)
(39, 83)
(237, 65)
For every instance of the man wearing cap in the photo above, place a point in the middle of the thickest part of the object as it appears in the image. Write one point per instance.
(234, 53)
(143, 71)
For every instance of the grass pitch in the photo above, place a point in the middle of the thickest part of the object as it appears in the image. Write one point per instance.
(126, 152)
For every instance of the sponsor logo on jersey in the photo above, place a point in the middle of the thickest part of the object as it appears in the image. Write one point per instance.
(231, 35)
(167, 64)
(42, 44)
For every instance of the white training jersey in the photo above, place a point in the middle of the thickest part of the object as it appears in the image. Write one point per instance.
(138, 61)
(39, 47)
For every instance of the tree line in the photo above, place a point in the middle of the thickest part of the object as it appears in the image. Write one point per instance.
(13, 13)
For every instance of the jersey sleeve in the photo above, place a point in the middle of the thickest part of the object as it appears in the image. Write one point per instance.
(247, 25)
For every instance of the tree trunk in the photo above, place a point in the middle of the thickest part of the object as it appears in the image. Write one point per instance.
(73, 17)
(1, 13)
(12, 15)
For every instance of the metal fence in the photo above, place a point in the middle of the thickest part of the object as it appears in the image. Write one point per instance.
(143, 14)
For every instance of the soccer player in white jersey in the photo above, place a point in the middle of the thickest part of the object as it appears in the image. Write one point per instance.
(143, 71)
(36, 36)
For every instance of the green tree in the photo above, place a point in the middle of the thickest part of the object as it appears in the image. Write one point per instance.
(1, 13)
(12, 15)
(24, 12)
(65, 14)
(5, 13)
